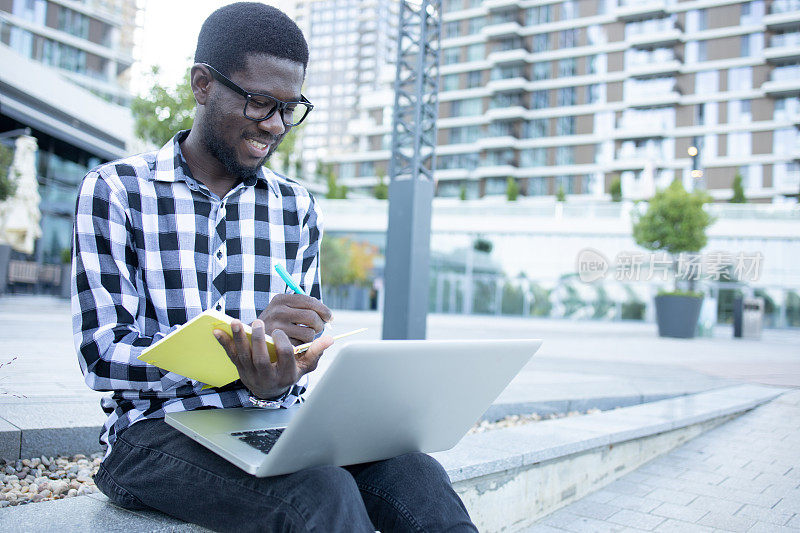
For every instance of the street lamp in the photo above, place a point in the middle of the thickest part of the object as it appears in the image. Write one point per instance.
(696, 173)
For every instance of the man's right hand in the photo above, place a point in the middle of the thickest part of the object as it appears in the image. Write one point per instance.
(301, 317)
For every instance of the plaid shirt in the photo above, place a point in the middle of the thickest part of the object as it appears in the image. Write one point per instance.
(153, 249)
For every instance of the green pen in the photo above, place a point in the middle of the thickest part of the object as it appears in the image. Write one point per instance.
(281, 270)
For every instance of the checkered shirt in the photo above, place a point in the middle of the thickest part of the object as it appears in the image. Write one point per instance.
(153, 248)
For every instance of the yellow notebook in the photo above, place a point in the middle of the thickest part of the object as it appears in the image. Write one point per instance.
(193, 351)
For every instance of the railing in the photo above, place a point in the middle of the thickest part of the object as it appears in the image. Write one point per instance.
(784, 6)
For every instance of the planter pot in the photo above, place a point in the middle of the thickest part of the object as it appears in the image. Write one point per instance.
(677, 315)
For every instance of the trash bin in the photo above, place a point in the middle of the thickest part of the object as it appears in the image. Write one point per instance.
(748, 317)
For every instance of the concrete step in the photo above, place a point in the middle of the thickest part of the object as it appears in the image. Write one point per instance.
(507, 478)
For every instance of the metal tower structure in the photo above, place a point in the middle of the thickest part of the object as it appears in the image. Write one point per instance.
(411, 167)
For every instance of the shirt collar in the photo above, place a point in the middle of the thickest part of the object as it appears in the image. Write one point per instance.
(171, 166)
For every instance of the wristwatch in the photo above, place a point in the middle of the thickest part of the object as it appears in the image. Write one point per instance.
(272, 403)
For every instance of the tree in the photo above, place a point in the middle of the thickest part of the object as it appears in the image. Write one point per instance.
(560, 195)
(345, 262)
(675, 221)
(7, 186)
(462, 193)
(381, 190)
(335, 191)
(738, 190)
(616, 189)
(163, 111)
(483, 245)
(512, 189)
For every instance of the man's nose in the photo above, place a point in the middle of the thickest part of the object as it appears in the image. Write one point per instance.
(273, 124)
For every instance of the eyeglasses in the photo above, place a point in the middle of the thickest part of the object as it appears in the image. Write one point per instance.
(258, 107)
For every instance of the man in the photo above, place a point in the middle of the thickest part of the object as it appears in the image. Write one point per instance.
(162, 236)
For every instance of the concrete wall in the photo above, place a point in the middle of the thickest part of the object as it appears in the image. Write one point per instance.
(515, 498)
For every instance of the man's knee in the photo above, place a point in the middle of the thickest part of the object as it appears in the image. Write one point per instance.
(330, 484)
(421, 465)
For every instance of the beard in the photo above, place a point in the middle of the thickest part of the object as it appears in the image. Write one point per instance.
(222, 149)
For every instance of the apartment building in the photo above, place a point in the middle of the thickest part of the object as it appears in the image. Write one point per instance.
(573, 94)
(88, 41)
(350, 43)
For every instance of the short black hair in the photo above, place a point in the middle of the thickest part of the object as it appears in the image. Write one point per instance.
(233, 32)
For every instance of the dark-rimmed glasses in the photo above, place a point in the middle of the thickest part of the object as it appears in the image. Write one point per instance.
(258, 107)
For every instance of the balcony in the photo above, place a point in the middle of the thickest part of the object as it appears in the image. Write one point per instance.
(502, 29)
(637, 129)
(784, 82)
(500, 5)
(508, 57)
(655, 99)
(783, 48)
(658, 39)
(506, 113)
(783, 14)
(507, 84)
(632, 10)
(497, 143)
(656, 69)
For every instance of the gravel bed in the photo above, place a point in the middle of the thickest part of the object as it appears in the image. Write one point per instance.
(519, 420)
(47, 478)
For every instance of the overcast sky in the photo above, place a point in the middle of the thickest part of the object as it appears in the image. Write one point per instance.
(169, 36)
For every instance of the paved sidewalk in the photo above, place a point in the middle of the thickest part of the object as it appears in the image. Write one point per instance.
(742, 476)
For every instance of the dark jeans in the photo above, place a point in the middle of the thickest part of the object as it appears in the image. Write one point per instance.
(153, 465)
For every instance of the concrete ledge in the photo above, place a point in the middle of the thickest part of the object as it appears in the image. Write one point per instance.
(507, 478)
(30, 429)
(510, 477)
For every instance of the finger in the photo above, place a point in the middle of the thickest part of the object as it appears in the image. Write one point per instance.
(308, 318)
(227, 343)
(301, 333)
(260, 353)
(303, 301)
(286, 366)
(242, 346)
(309, 359)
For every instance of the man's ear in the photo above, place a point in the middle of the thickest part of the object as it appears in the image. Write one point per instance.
(201, 83)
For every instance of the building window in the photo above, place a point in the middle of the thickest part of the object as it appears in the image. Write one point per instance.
(475, 25)
(452, 29)
(565, 126)
(476, 52)
(566, 96)
(541, 71)
(566, 67)
(536, 128)
(540, 42)
(474, 79)
(539, 99)
(467, 108)
(565, 155)
(450, 82)
(568, 38)
(451, 56)
(569, 10)
(592, 93)
(533, 157)
(73, 23)
(539, 15)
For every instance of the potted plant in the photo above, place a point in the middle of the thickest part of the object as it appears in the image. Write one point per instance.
(675, 222)
(8, 188)
(66, 272)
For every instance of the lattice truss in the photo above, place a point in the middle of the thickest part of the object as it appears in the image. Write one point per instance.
(416, 88)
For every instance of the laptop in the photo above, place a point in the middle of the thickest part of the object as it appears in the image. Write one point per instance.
(378, 399)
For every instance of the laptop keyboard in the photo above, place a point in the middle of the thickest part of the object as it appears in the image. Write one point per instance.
(261, 439)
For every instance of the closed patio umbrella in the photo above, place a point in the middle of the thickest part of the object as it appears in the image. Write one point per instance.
(20, 215)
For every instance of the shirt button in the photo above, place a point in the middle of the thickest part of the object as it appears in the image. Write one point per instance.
(219, 307)
(219, 254)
